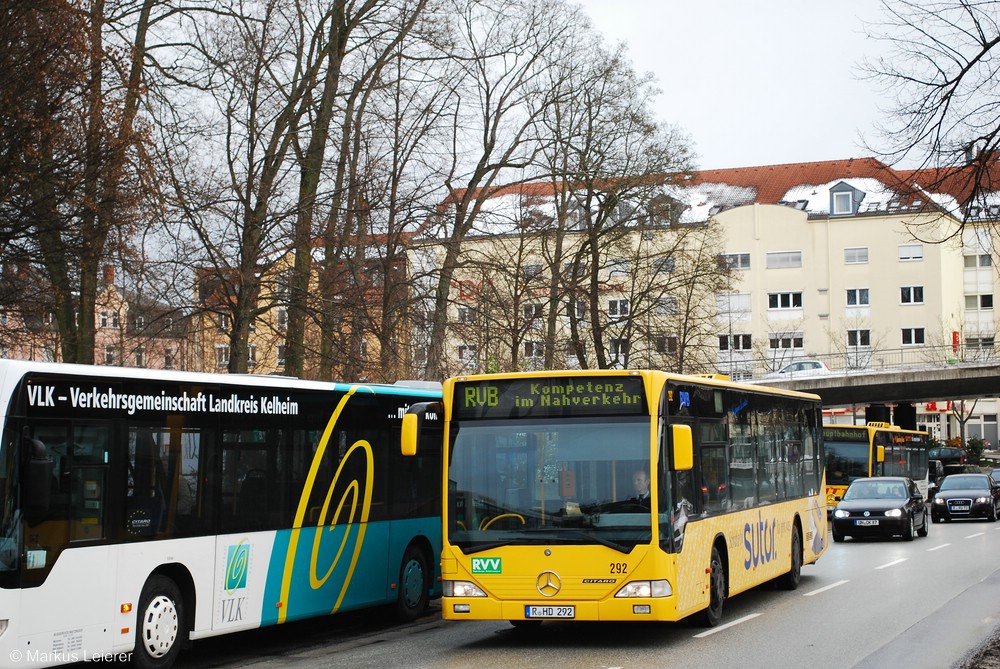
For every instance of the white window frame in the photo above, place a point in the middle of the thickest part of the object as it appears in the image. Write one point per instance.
(858, 294)
(736, 261)
(784, 259)
(862, 338)
(792, 297)
(742, 341)
(856, 255)
(843, 203)
(619, 308)
(534, 350)
(666, 305)
(666, 344)
(912, 297)
(911, 252)
(466, 314)
(785, 341)
(618, 347)
(533, 311)
(914, 334)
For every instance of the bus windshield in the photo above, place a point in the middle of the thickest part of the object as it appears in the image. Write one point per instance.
(845, 461)
(558, 480)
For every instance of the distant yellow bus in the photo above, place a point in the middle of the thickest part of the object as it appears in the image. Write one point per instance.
(546, 513)
(874, 449)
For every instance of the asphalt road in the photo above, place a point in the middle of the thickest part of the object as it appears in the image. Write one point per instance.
(932, 603)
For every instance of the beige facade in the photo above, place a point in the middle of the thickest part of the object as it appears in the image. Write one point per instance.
(857, 291)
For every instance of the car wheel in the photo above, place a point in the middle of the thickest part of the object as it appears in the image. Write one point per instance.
(908, 529)
(837, 536)
(992, 517)
(922, 532)
(935, 519)
(711, 616)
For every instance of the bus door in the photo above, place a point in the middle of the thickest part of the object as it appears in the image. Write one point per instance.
(713, 467)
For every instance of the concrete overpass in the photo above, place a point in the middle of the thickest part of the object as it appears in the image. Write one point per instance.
(903, 388)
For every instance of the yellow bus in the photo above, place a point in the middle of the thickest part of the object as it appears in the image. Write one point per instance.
(873, 449)
(546, 512)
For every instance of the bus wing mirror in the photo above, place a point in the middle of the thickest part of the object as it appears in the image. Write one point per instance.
(411, 430)
(682, 450)
(880, 454)
(413, 422)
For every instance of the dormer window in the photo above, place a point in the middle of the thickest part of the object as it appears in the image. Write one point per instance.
(843, 204)
(845, 199)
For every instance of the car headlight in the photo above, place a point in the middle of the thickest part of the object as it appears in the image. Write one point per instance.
(893, 513)
(938, 500)
(982, 500)
(840, 513)
(645, 589)
(461, 589)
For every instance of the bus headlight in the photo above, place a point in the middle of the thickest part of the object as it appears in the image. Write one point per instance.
(893, 513)
(840, 513)
(645, 589)
(461, 589)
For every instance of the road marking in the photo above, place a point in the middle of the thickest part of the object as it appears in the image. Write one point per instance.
(937, 547)
(726, 626)
(823, 589)
(894, 562)
(977, 534)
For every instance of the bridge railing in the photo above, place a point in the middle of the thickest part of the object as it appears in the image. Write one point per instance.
(862, 360)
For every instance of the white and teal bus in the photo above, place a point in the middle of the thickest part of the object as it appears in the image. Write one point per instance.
(141, 509)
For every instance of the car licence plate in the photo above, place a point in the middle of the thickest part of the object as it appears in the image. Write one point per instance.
(866, 522)
(959, 507)
(549, 611)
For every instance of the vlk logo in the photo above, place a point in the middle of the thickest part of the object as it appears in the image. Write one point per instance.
(236, 567)
(485, 565)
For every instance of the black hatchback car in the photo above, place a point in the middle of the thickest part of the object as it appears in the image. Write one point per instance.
(881, 506)
(966, 496)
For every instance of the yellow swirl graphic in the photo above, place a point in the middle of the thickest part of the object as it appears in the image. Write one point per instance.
(351, 494)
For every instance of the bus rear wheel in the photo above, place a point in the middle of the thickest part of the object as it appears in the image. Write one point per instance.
(159, 625)
(413, 585)
(711, 616)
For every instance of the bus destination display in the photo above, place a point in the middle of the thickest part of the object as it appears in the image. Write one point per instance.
(835, 433)
(554, 397)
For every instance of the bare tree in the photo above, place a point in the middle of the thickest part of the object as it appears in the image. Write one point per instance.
(499, 92)
(940, 72)
(77, 158)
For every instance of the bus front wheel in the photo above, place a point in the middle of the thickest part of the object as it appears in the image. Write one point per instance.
(791, 579)
(159, 624)
(711, 616)
(413, 585)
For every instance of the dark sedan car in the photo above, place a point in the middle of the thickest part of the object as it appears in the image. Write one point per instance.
(880, 506)
(966, 496)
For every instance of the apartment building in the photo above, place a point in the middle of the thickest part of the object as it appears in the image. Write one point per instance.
(846, 261)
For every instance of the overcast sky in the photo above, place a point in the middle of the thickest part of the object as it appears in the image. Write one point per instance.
(754, 83)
